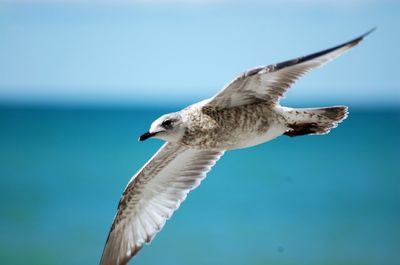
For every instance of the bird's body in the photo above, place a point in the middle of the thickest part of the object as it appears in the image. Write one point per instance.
(244, 113)
(232, 128)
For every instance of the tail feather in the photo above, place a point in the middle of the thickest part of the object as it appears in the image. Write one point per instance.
(314, 120)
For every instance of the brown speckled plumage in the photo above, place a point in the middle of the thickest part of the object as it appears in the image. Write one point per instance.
(221, 129)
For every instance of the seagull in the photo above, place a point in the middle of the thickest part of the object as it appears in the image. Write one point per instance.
(245, 113)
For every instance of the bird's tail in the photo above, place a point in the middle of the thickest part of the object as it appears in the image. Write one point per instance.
(314, 120)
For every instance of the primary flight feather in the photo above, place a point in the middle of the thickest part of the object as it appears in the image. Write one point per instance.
(244, 113)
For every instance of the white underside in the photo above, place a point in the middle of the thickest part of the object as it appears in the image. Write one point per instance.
(254, 138)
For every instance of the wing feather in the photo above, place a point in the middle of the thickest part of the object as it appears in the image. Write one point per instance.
(152, 196)
(269, 83)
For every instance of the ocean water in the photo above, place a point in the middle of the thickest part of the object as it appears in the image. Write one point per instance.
(331, 199)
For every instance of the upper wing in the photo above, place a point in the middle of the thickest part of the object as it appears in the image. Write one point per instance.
(269, 83)
(151, 197)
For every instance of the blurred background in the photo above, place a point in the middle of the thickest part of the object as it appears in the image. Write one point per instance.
(80, 80)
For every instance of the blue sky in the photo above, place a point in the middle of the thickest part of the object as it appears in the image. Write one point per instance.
(138, 52)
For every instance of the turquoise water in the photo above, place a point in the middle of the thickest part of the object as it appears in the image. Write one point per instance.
(331, 199)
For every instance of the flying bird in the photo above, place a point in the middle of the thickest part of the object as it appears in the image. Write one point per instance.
(246, 112)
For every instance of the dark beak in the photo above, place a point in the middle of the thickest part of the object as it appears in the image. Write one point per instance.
(146, 136)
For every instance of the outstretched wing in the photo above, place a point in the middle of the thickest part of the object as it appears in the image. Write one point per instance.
(269, 83)
(152, 196)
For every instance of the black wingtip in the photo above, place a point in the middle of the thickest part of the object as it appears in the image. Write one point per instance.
(299, 60)
(359, 39)
(350, 43)
(368, 32)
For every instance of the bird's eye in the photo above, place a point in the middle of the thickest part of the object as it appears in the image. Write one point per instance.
(167, 124)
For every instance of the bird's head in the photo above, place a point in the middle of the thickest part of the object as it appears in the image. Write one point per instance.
(168, 127)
